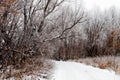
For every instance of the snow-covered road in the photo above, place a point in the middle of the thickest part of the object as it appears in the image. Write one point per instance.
(77, 71)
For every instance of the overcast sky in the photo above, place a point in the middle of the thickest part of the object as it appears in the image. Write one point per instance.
(102, 4)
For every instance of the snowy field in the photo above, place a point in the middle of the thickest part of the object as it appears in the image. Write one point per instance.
(75, 71)
(104, 62)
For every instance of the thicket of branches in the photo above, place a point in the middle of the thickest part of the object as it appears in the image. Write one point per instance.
(50, 28)
(28, 26)
(100, 37)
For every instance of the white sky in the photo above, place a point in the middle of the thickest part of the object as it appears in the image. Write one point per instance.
(102, 4)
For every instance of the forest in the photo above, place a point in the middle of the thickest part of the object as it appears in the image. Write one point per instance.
(53, 29)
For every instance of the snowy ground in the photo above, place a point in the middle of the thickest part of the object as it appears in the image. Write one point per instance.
(104, 62)
(77, 71)
(74, 71)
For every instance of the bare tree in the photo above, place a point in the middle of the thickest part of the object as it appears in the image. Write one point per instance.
(93, 30)
(25, 25)
(68, 21)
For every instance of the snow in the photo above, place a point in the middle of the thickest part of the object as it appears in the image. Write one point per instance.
(74, 71)
(77, 71)
(25, 77)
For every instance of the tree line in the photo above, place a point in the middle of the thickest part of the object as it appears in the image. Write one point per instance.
(52, 29)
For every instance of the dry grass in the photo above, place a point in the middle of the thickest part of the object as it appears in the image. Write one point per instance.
(38, 66)
(106, 62)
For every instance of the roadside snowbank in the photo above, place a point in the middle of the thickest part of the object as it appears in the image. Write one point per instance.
(77, 71)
